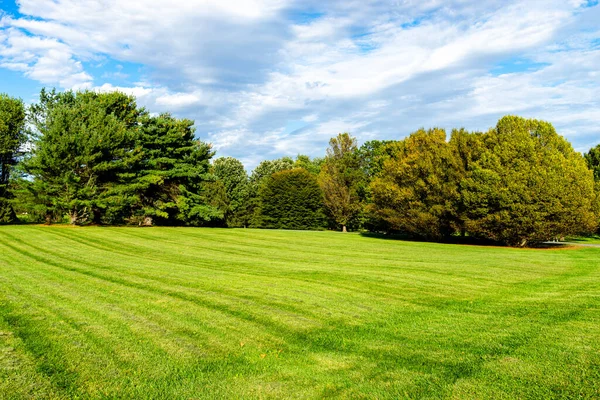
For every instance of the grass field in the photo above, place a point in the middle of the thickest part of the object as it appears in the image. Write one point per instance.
(210, 313)
(594, 239)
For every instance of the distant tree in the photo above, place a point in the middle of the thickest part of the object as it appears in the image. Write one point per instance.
(233, 176)
(215, 196)
(373, 154)
(528, 185)
(291, 199)
(341, 178)
(311, 165)
(417, 189)
(267, 168)
(592, 159)
(12, 138)
(258, 177)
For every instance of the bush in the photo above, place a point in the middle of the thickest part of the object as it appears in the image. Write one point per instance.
(291, 199)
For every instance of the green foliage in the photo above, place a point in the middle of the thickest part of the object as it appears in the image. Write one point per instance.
(291, 199)
(528, 185)
(258, 177)
(373, 154)
(341, 178)
(12, 138)
(82, 142)
(98, 158)
(416, 191)
(267, 168)
(234, 178)
(311, 165)
(592, 159)
(167, 182)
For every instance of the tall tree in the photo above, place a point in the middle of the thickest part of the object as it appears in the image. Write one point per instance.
(12, 138)
(81, 142)
(417, 189)
(232, 174)
(167, 183)
(291, 199)
(258, 177)
(373, 154)
(528, 185)
(467, 148)
(311, 165)
(592, 158)
(340, 179)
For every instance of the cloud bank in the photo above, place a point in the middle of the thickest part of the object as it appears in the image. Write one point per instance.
(266, 78)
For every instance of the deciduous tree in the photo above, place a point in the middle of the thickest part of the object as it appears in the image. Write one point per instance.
(417, 190)
(341, 178)
(232, 174)
(528, 185)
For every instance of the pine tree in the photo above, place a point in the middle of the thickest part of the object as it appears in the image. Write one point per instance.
(166, 185)
(12, 138)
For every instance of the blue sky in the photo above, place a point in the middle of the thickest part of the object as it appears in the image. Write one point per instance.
(268, 78)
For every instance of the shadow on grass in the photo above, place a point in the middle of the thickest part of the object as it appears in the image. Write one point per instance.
(584, 239)
(461, 240)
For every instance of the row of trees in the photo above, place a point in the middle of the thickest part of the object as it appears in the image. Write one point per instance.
(99, 158)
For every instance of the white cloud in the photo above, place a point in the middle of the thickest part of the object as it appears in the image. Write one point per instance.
(376, 68)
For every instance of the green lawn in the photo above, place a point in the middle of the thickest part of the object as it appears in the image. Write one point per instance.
(213, 313)
(594, 239)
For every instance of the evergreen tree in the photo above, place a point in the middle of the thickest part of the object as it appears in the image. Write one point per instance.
(166, 185)
(81, 143)
(291, 199)
(12, 138)
(258, 177)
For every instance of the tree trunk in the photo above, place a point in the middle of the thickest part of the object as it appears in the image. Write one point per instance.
(48, 218)
(73, 217)
(147, 221)
(344, 229)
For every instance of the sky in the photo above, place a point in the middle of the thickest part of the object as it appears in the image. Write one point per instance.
(269, 78)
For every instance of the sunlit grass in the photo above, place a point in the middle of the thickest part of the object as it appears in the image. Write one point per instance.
(213, 313)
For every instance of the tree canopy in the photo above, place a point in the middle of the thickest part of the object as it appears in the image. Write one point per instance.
(12, 138)
(340, 179)
(416, 191)
(291, 199)
(97, 158)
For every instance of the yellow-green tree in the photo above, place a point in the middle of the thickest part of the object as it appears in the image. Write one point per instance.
(416, 191)
(340, 179)
(528, 185)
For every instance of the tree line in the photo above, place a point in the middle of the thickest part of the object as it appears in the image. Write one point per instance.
(98, 158)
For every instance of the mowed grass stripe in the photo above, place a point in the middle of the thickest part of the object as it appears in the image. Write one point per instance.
(237, 307)
(372, 275)
(206, 313)
(119, 276)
